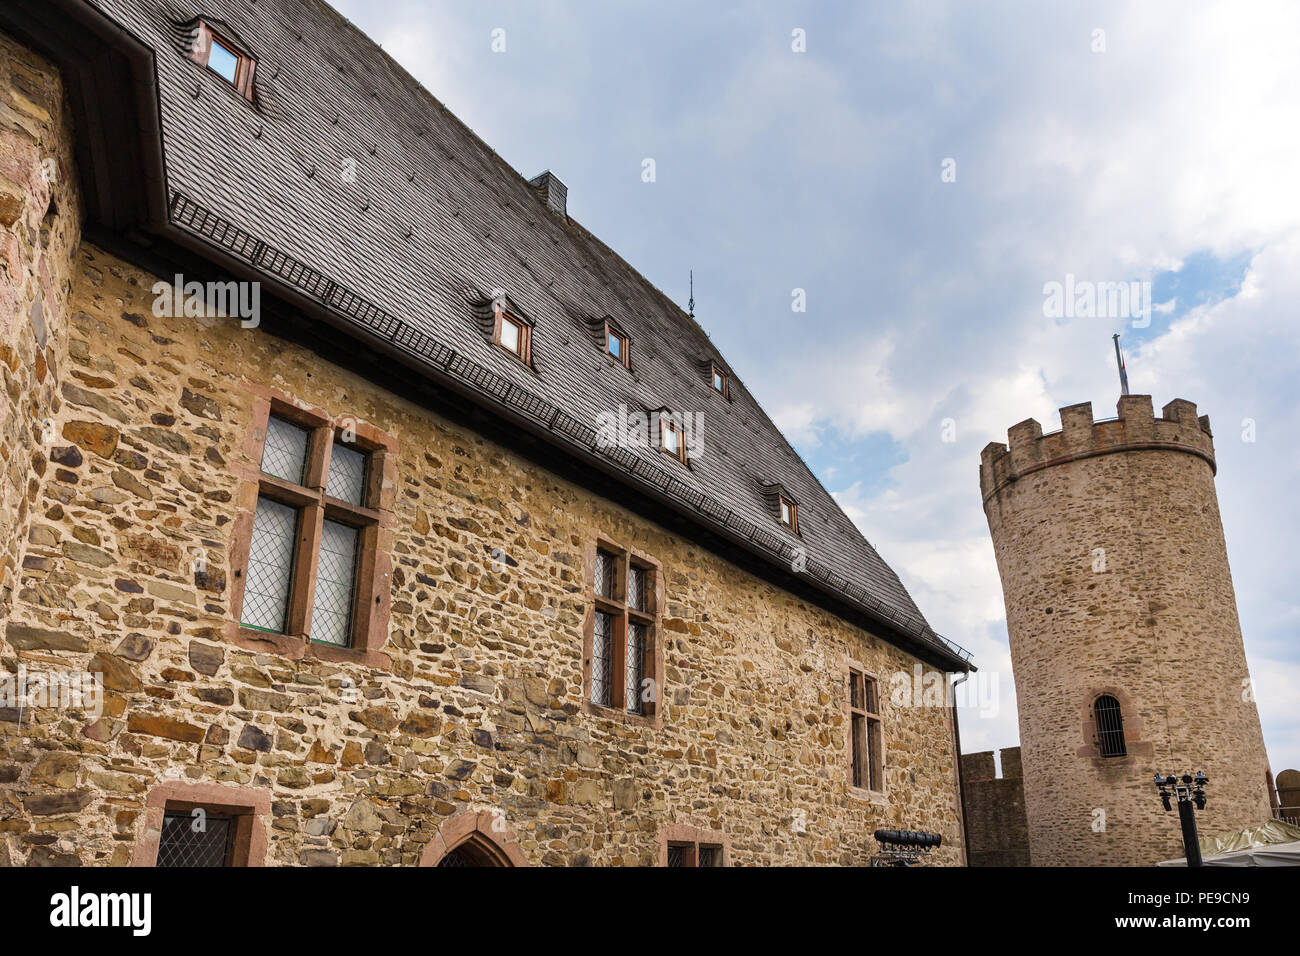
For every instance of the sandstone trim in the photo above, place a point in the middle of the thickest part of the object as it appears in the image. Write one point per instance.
(685, 833)
(374, 571)
(485, 829)
(249, 805)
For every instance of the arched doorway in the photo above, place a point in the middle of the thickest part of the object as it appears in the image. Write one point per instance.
(473, 838)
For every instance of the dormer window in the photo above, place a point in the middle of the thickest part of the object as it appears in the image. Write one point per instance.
(671, 439)
(616, 344)
(719, 380)
(225, 58)
(513, 335)
(789, 513)
(223, 61)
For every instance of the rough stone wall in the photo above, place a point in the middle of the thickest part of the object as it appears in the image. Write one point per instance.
(39, 232)
(997, 830)
(1115, 574)
(481, 708)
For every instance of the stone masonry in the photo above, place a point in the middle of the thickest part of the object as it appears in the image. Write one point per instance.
(997, 831)
(40, 223)
(124, 437)
(1115, 574)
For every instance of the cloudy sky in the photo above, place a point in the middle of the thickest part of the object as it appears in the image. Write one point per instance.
(1148, 142)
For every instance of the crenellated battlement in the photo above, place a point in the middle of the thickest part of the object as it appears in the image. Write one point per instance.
(1135, 427)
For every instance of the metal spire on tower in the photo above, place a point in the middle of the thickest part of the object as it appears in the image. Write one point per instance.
(1119, 360)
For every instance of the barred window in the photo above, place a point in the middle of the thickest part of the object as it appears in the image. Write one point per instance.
(866, 768)
(621, 661)
(1110, 726)
(315, 528)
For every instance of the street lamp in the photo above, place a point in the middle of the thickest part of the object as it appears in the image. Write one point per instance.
(1190, 792)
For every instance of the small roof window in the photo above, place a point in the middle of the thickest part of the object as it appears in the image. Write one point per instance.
(672, 439)
(224, 57)
(617, 344)
(223, 61)
(789, 513)
(514, 335)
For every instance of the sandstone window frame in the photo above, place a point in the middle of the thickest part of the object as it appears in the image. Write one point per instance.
(246, 65)
(622, 617)
(691, 839)
(249, 808)
(1108, 716)
(374, 519)
(866, 708)
(484, 833)
(1136, 747)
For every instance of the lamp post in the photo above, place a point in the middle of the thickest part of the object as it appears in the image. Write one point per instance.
(1190, 792)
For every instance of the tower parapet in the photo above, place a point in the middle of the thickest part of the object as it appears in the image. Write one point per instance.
(1135, 428)
(1122, 622)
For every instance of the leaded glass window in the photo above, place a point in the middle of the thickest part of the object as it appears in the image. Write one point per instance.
(623, 662)
(331, 617)
(347, 477)
(694, 854)
(195, 838)
(636, 587)
(605, 568)
(601, 658)
(270, 566)
(635, 659)
(310, 573)
(284, 455)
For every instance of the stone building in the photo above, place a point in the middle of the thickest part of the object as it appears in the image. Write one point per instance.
(1125, 641)
(393, 518)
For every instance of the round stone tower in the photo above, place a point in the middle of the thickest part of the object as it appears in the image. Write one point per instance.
(1125, 641)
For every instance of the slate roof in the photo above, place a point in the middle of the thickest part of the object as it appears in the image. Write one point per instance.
(434, 222)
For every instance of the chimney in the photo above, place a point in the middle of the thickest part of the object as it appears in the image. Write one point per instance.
(553, 192)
